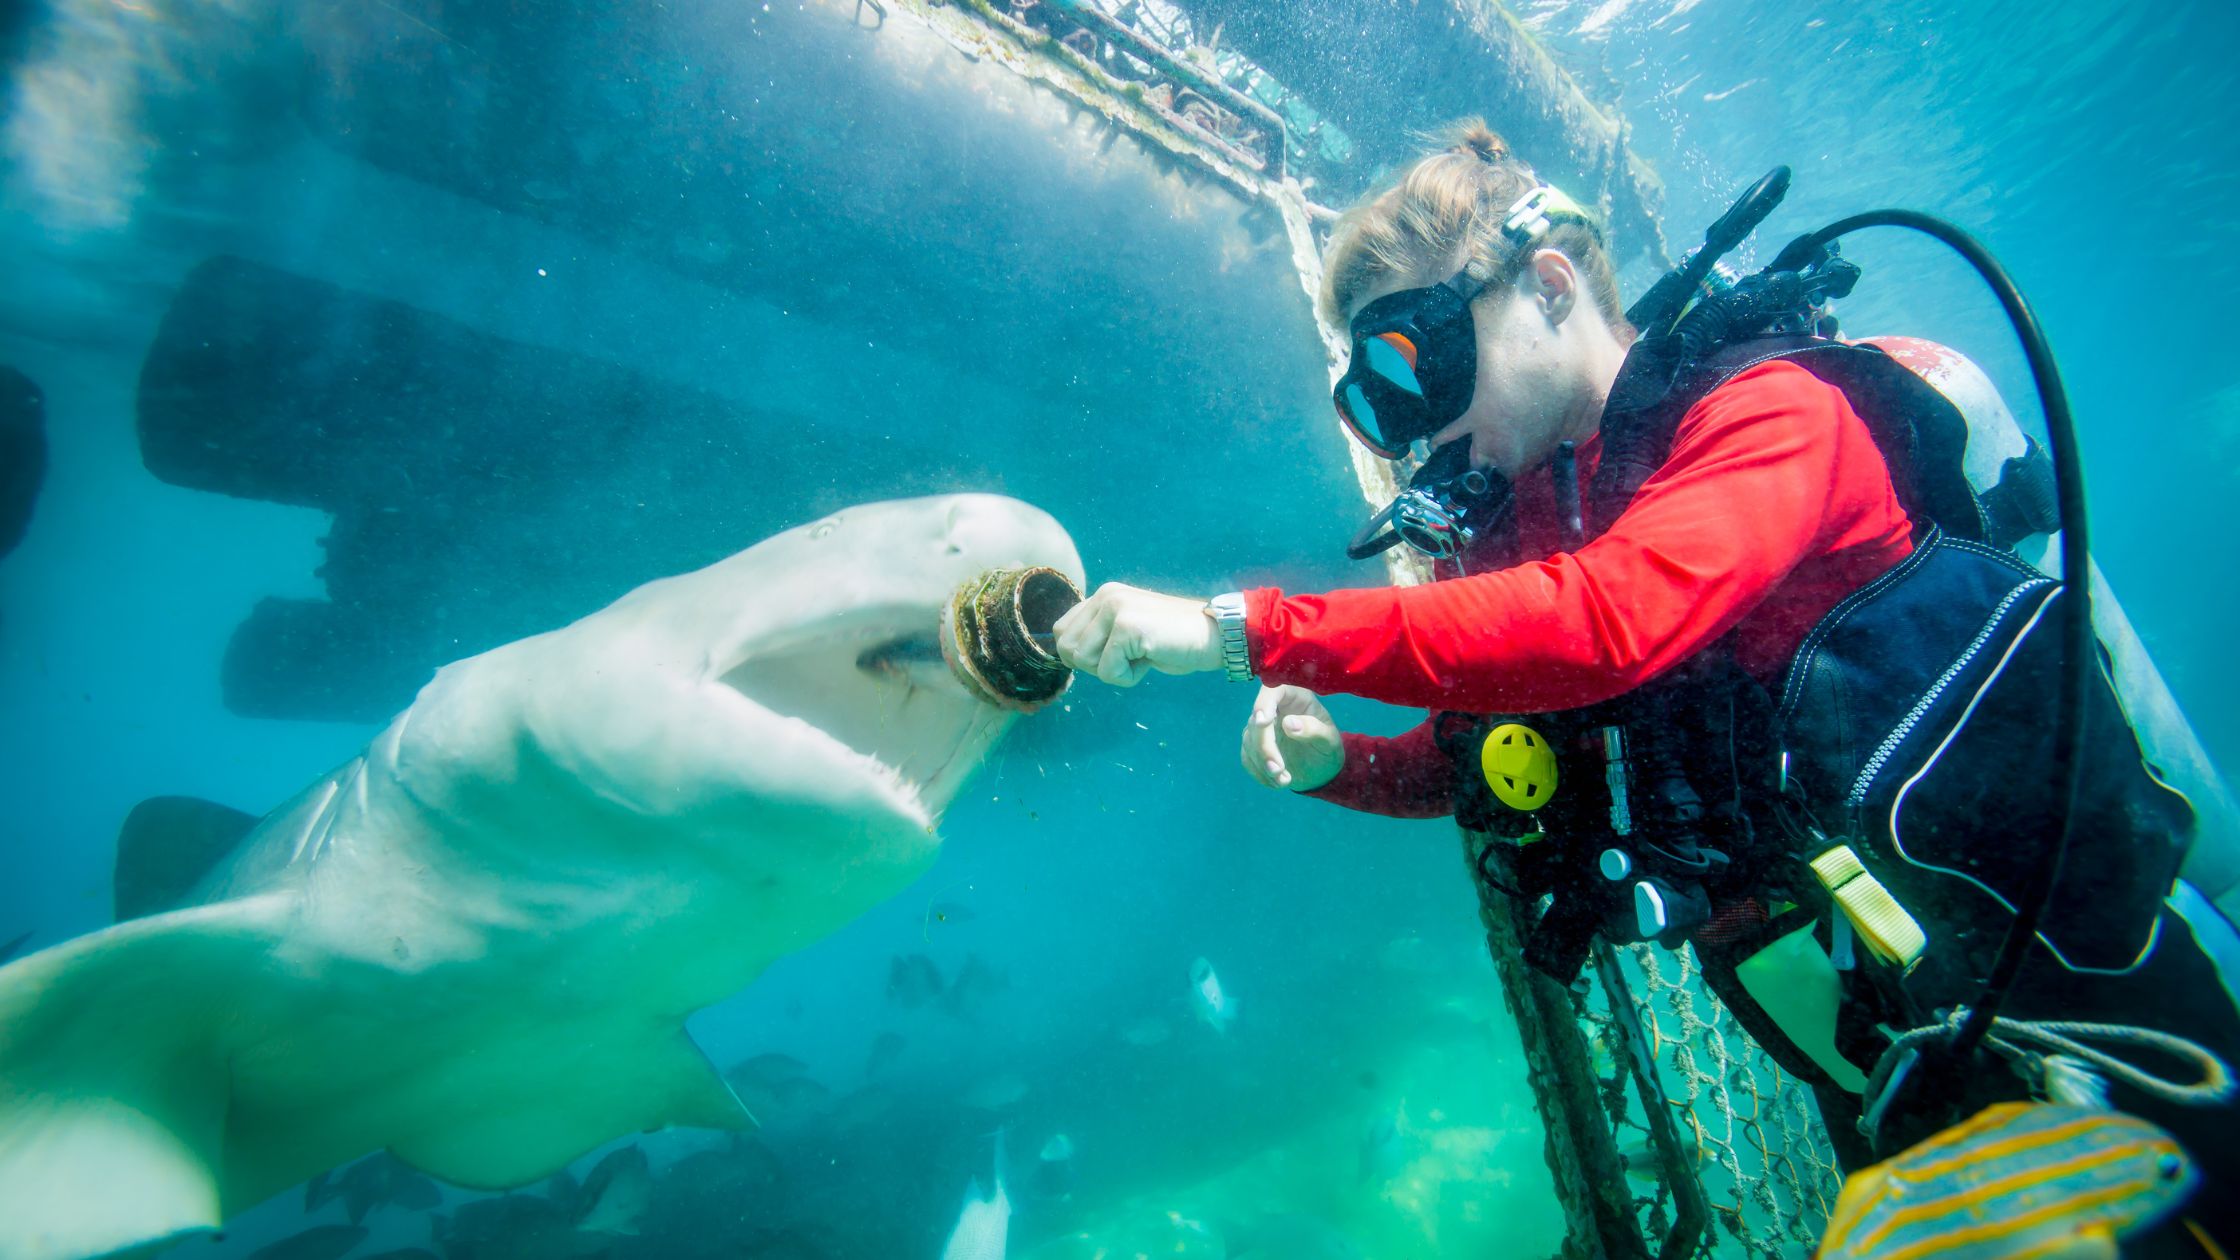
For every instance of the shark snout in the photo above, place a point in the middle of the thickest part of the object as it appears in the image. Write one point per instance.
(996, 532)
(843, 620)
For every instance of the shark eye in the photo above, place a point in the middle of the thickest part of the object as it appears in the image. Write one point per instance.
(821, 528)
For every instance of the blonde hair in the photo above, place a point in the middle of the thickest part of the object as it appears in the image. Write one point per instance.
(1456, 195)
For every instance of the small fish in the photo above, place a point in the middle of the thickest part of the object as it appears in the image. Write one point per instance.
(512, 1225)
(10, 949)
(748, 1162)
(374, 1182)
(983, 1225)
(360, 1189)
(1602, 1054)
(1638, 1152)
(1215, 1006)
(1053, 1168)
(615, 1196)
(913, 981)
(863, 1108)
(1382, 1149)
(976, 982)
(320, 1242)
(413, 1192)
(885, 1049)
(799, 1094)
(2019, 1178)
(950, 912)
(774, 1082)
(773, 1067)
(562, 1190)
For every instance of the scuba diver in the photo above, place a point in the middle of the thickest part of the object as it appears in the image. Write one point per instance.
(1728, 652)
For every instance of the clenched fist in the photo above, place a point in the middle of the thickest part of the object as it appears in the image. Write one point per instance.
(1290, 741)
(1122, 633)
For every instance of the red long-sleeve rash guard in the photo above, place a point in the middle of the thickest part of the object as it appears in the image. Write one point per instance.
(1773, 505)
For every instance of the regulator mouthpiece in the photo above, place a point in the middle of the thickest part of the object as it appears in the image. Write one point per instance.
(996, 636)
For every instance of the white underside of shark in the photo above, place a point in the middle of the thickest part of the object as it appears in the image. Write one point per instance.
(475, 945)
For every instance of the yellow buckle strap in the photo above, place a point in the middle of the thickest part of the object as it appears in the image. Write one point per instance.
(1882, 924)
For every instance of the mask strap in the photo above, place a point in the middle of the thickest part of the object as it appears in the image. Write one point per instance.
(1528, 219)
(1537, 211)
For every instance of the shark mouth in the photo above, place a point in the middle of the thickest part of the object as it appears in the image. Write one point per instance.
(882, 693)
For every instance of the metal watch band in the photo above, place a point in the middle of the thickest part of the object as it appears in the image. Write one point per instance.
(1227, 611)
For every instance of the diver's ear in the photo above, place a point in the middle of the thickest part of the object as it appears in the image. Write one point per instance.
(1553, 282)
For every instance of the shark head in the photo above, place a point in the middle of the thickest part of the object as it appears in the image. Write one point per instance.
(849, 644)
(789, 704)
(560, 849)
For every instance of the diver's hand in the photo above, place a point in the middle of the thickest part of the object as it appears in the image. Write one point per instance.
(1290, 741)
(1122, 633)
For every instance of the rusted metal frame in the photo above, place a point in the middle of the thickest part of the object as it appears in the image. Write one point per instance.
(1097, 77)
(1030, 55)
(1408, 63)
(1130, 41)
(1582, 1154)
(1691, 1209)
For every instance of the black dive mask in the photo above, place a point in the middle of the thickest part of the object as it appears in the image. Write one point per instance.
(1447, 505)
(1413, 368)
(1415, 353)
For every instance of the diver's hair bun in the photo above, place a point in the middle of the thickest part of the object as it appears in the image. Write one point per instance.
(1472, 136)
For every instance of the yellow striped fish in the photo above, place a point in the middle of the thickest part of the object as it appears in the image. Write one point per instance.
(2019, 1180)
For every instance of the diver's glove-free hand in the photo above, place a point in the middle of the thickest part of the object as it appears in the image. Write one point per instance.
(1290, 741)
(1122, 633)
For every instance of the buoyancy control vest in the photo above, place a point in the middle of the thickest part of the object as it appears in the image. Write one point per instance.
(1867, 830)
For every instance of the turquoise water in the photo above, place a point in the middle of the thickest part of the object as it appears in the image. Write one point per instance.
(532, 306)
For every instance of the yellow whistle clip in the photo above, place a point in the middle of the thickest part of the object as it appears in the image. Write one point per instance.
(1882, 924)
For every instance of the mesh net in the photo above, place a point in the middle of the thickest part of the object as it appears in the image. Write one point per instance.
(1750, 1131)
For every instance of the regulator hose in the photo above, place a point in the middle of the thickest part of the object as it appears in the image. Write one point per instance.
(2077, 641)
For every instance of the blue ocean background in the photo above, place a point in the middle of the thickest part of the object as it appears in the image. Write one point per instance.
(1109, 341)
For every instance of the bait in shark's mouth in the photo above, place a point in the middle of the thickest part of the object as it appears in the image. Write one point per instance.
(996, 634)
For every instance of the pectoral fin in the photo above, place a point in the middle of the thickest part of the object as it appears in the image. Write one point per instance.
(598, 1090)
(113, 1092)
(167, 845)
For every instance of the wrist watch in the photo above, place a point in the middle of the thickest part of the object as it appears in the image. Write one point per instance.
(1227, 611)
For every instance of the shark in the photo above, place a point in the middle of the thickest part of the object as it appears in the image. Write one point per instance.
(474, 945)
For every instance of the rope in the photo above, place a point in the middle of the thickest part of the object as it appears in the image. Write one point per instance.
(2062, 1037)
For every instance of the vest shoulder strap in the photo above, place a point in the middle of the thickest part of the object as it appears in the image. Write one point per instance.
(1922, 436)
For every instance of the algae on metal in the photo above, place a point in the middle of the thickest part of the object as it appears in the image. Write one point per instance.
(1382, 70)
(1048, 62)
(990, 634)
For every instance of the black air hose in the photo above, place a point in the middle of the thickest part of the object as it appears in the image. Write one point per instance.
(2077, 641)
